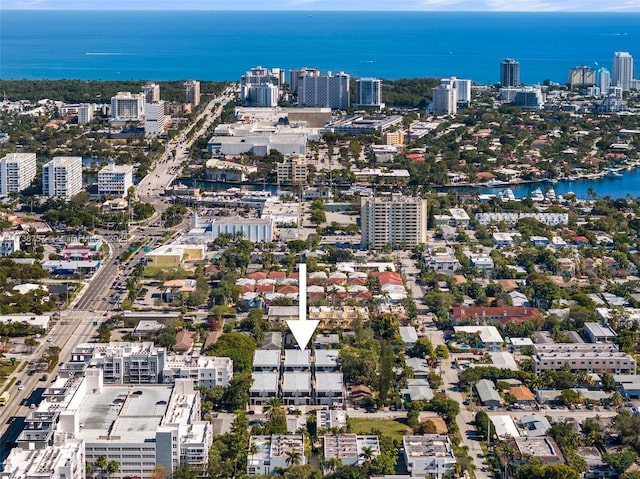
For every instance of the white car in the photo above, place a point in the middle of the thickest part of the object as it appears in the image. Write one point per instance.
(20, 388)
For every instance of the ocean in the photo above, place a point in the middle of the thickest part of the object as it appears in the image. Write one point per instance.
(210, 45)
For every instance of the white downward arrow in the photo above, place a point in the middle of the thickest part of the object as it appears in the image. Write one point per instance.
(302, 329)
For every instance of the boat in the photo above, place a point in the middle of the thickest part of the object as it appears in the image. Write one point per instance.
(613, 174)
(494, 183)
(536, 195)
(507, 195)
(550, 194)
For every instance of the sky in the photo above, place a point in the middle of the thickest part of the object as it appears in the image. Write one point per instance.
(347, 5)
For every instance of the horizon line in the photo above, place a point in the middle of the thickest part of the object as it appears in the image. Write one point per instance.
(22, 9)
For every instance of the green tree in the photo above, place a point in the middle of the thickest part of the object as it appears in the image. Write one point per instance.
(113, 467)
(236, 346)
(620, 461)
(294, 457)
(101, 462)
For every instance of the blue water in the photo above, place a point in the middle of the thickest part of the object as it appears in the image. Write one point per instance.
(210, 45)
(620, 187)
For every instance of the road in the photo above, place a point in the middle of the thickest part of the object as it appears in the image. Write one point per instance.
(78, 323)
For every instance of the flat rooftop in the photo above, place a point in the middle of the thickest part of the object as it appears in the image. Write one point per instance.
(120, 413)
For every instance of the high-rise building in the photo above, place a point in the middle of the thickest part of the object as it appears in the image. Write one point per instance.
(260, 94)
(622, 70)
(529, 98)
(445, 99)
(329, 91)
(17, 171)
(151, 92)
(192, 92)
(369, 93)
(394, 219)
(295, 75)
(127, 107)
(509, 73)
(155, 120)
(581, 77)
(62, 177)
(462, 88)
(260, 74)
(603, 80)
(85, 113)
(115, 180)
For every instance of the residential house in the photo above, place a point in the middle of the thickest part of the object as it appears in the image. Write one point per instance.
(487, 393)
(429, 455)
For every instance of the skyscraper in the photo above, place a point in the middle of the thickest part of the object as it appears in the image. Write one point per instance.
(462, 88)
(622, 70)
(155, 120)
(445, 99)
(603, 80)
(581, 76)
(509, 73)
(329, 91)
(192, 92)
(151, 92)
(368, 92)
(295, 75)
(393, 219)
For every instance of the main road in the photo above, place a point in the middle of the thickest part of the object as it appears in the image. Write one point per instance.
(78, 323)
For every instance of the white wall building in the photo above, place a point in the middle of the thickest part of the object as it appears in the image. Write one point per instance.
(330, 91)
(9, 243)
(462, 88)
(62, 177)
(429, 455)
(115, 180)
(273, 452)
(155, 120)
(64, 460)
(17, 171)
(395, 219)
(622, 70)
(260, 95)
(151, 92)
(127, 107)
(205, 371)
(192, 92)
(350, 448)
(445, 99)
(85, 114)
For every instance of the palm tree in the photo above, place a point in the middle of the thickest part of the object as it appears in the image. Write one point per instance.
(367, 454)
(272, 408)
(294, 458)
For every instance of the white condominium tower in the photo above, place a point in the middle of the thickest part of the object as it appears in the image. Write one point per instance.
(622, 70)
(462, 88)
(192, 92)
(127, 107)
(295, 75)
(394, 219)
(115, 180)
(62, 177)
(445, 99)
(151, 92)
(17, 171)
(603, 80)
(369, 92)
(155, 120)
(328, 91)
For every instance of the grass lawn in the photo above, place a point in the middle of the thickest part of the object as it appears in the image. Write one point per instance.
(389, 427)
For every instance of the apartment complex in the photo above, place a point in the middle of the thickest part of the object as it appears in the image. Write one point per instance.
(192, 92)
(581, 77)
(296, 75)
(144, 363)
(64, 460)
(127, 107)
(393, 219)
(622, 70)
(292, 169)
(509, 73)
(296, 377)
(329, 91)
(590, 357)
(62, 177)
(351, 449)
(369, 93)
(429, 455)
(151, 92)
(445, 100)
(9, 243)
(17, 171)
(155, 120)
(274, 452)
(115, 180)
